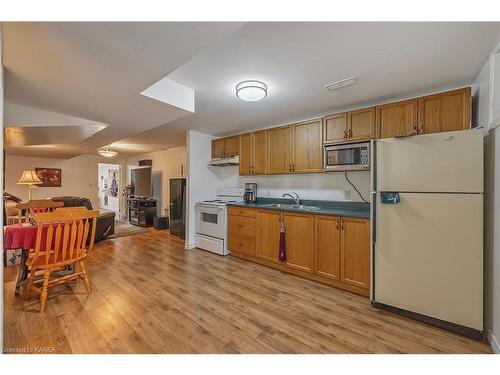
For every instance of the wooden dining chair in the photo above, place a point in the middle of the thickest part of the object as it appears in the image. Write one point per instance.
(29, 209)
(60, 242)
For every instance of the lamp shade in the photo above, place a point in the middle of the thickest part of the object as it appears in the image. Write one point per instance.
(29, 178)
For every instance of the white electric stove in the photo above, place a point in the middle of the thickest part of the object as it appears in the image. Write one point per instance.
(211, 220)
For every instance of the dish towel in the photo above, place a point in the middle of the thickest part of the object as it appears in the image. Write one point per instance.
(282, 241)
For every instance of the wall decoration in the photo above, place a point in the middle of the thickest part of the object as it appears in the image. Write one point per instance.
(51, 177)
(113, 187)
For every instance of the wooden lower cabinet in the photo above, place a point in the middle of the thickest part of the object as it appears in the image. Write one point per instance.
(299, 240)
(268, 235)
(332, 250)
(355, 252)
(241, 230)
(241, 244)
(328, 246)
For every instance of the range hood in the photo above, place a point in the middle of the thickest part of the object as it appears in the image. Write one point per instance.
(225, 162)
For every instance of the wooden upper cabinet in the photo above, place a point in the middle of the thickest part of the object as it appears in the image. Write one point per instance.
(447, 111)
(217, 148)
(397, 119)
(222, 147)
(307, 147)
(253, 153)
(299, 239)
(355, 252)
(361, 124)
(231, 146)
(335, 128)
(279, 150)
(268, 235)
(328, 247)
(246, 153)
(260, 152)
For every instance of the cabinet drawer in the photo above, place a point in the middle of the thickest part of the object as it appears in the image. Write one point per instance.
(241, 244)
(241, 211)
(241, 225)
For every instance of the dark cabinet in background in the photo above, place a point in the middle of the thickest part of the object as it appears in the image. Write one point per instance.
(178, 207)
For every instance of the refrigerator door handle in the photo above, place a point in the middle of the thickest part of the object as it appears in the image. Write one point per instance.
(374, 216)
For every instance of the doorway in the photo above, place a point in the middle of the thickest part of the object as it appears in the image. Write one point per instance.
(109, 187)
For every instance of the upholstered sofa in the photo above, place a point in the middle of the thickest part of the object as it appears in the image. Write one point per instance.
(105, 221)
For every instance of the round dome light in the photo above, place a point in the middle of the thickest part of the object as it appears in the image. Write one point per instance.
(251, 90)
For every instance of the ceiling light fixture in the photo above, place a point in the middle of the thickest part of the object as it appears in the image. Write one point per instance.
(107, 152)
(341, 84)
(251, 90)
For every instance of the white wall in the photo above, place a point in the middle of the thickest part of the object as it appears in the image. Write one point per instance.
(79, 176)
(201, 182)
(319, 186)
(167, 164)
(481, 99)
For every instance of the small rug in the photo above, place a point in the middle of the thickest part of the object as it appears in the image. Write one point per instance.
(123, 229)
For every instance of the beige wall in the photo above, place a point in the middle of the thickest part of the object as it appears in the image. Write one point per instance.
(481, 100)
(167, 164)
(79, 176)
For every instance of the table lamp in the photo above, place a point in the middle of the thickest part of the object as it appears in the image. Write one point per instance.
(31, 179)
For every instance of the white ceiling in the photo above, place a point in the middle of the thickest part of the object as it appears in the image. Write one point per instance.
(296, 60)
(97, 71)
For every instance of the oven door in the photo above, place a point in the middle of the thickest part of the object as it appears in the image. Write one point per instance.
(210, 220)
(354, 156)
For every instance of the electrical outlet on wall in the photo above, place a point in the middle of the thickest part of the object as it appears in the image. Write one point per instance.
(347, 194)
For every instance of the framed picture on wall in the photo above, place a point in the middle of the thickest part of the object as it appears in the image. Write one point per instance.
(51, 177)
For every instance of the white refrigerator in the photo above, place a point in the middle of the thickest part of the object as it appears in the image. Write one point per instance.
(427, 228)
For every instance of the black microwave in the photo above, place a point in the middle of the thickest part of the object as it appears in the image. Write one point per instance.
(346, 157)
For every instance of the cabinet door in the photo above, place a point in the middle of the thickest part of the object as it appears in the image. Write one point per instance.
(445, 112)
(335, 128)
(260, 152)
(328, 246)
(307, 147)
(397, 119)
(280, 150)
(355, 252)
(217, 148)
(246, 154)
(361, 124)
(299, 240)
(231, 146)
(268, 235)
(241, 244)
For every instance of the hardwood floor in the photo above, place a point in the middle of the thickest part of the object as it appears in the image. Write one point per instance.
(149, 295)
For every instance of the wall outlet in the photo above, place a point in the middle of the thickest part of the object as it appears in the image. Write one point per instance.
(347, 194)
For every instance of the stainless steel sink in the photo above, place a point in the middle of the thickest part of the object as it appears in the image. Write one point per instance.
(291, 206)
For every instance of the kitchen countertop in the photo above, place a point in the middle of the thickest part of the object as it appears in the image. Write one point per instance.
(333, 208)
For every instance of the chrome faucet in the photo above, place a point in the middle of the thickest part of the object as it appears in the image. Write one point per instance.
(296, 199)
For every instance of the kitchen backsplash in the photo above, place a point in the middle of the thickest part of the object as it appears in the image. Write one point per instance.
(321, 186)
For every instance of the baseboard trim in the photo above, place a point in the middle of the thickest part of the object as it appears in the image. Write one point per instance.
(495, 345)
(189, 246)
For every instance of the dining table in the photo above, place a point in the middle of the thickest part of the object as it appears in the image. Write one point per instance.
(23, 236)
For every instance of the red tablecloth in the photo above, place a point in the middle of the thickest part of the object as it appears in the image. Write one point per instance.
(21, 236)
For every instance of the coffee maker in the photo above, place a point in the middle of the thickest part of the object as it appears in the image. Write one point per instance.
(250, 195)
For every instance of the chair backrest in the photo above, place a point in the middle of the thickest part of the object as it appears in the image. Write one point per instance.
(62, 235)
(35, 206)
